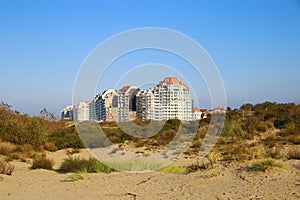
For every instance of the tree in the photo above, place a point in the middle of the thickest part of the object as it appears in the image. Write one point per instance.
(47, 115)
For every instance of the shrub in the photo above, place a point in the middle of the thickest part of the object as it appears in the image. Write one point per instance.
(262, 127)
(75, 164)
(82, 165)
(42, 163)
(265, 164)
(6, 168)
(50, 146)
(95, 166)
(6, 148)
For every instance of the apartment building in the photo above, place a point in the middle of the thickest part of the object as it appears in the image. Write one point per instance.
(124, 104)
(81, 111)
(102, 106)
(145, 104)
(170, 99)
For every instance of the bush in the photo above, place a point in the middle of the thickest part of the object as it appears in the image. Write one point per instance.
(6, 148)
(265, 164)
(77, 164)
(95, 166)
(42, 163)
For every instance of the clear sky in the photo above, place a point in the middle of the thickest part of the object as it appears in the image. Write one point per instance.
(255, 44)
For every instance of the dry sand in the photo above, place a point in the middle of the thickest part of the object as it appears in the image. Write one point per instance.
(220, 182)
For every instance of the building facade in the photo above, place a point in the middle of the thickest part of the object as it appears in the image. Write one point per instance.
(145, 104)
(102, 106)
(81, 111)
(124, 104)
(170, 99)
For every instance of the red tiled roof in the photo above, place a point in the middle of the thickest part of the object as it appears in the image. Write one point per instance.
(196, 109)
(125, 88)
(171, 81)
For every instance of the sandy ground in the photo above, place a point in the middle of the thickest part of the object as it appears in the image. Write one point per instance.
(220, 182)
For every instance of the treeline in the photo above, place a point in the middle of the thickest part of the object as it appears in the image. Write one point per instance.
(42, 132)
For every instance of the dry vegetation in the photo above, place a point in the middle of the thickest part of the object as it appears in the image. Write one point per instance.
(253, 132)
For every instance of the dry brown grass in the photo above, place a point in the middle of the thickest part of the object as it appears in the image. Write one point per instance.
(293, 153)
(6, 148)
(6, 168)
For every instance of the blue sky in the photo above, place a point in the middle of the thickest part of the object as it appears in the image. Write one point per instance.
(255, 44)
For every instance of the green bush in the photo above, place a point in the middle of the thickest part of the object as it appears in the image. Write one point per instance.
(77, 164)
(265, 164)
(42, 163)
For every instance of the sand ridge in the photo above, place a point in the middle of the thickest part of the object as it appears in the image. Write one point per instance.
(219, 182)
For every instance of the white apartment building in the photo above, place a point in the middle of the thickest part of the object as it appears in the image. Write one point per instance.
(170, 99)
(125, 103)
(145, 104)
(102, 106)
(81, 111)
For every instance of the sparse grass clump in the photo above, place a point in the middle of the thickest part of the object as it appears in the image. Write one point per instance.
(42, 163)
(213, 157)
(173, 169)
(74, 177)
(200, 165)
(77, 164)
(6, 168)
(265, 164)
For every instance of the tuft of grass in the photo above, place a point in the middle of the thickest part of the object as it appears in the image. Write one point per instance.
(77, 164)
(94, 166)
(50, 146)
(173, 169)
(73, 165)
(213, 157)
(6, 168)
(265, 164)
(42, 163)
(74, 177)
(198, 166)
(73, 151)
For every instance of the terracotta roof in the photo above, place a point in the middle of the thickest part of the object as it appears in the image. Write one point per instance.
(125, 88)
(196, 109)
(171, 81)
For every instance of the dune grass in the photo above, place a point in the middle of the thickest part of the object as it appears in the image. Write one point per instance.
(173, 170)
(75, 165)
(265, 164)
(74, 177)
(6, 168)
(42, 163)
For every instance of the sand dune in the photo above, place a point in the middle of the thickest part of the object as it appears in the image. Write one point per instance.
(220, 182)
